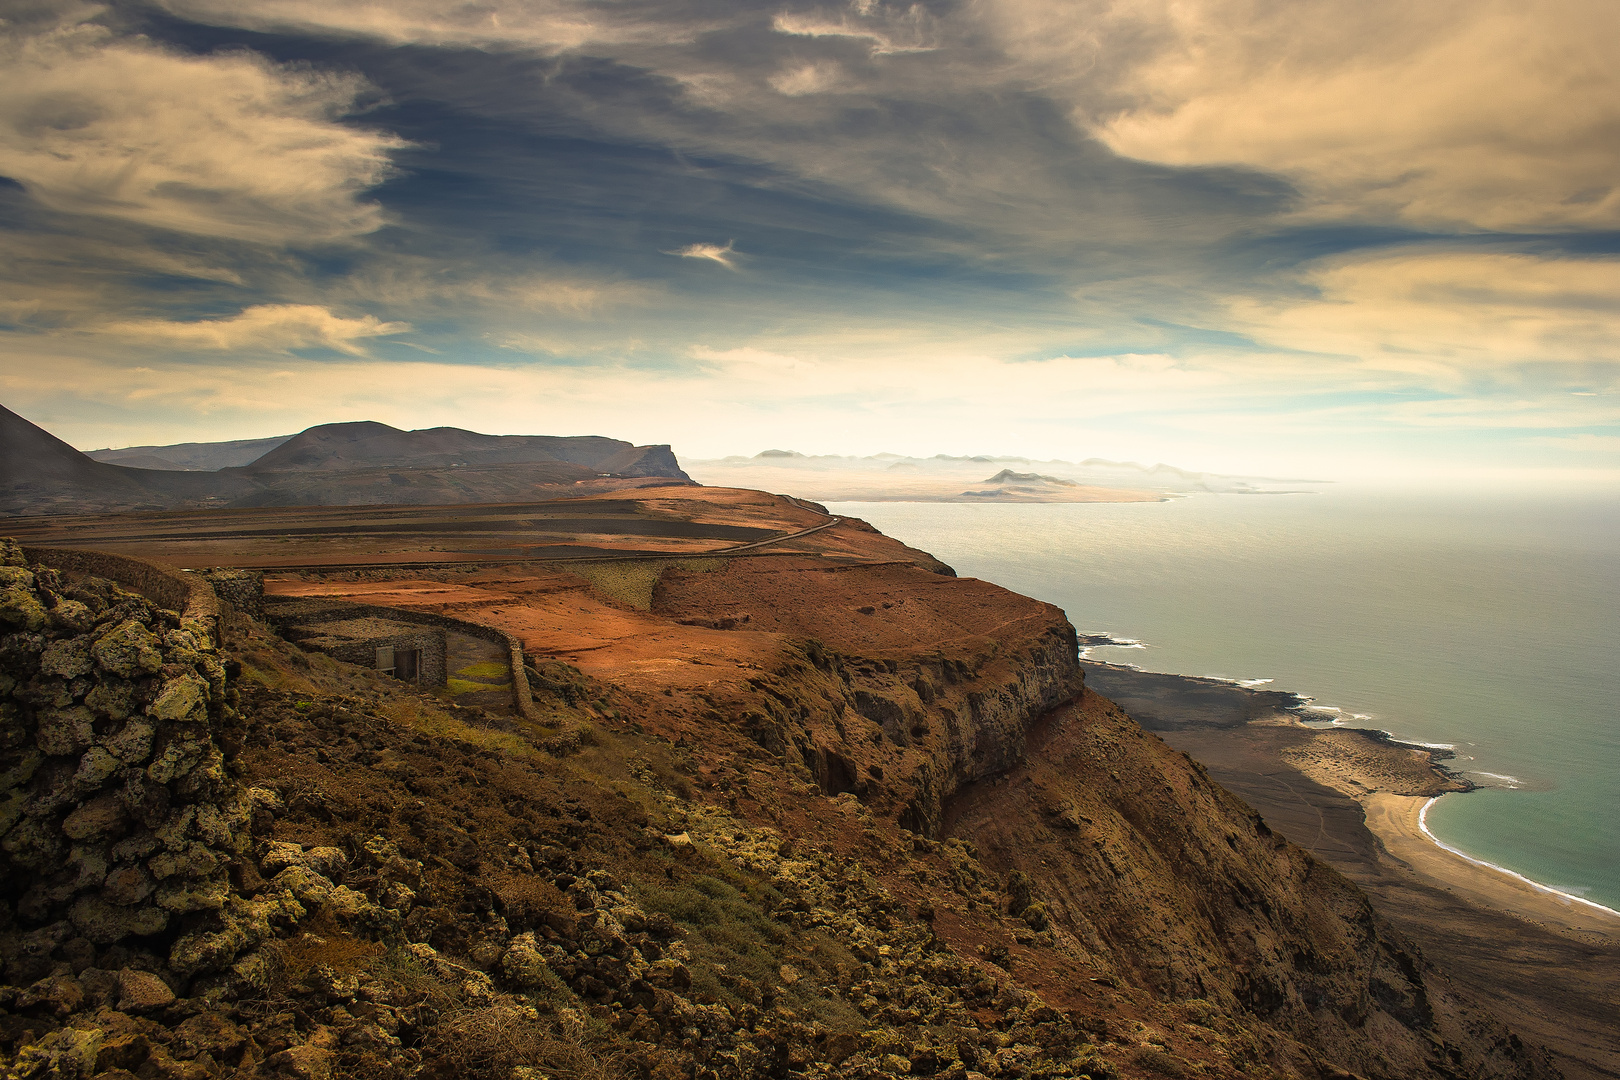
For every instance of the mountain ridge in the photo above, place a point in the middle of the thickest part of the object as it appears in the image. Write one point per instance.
(353, 463)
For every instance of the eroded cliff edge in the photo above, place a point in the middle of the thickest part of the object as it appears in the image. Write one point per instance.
(855, 820)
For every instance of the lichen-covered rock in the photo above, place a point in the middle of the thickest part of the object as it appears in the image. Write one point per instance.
(74, 617)
(131, 743)
(68, 658)
(95, 769)
(104, 923)
(66, 1052)
(60, 994)
(184, 697)
(113, 698)
(127, 885)
(142, 991)
(129, 650)
(99, 819)
(180, 895)
(20, 609)
(64, 731)
(524, 965)
(302, 1062)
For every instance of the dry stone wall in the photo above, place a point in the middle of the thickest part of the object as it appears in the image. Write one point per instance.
(118, 817)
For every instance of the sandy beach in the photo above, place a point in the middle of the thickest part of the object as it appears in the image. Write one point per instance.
(1395, 820)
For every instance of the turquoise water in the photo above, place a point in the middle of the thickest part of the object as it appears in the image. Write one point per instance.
(1490, 625)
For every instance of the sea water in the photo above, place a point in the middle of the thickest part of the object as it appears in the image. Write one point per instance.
(1491, 625)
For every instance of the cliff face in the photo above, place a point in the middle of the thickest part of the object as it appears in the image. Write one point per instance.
(916, 683)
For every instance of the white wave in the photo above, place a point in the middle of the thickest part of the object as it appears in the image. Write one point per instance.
(1423, 826)
(1250, 684)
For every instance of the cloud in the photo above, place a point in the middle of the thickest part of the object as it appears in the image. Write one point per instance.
(1484, 114)
(503, 292)
(885, 28)
(265, 328)
(812, 78)
(1585, 443)
(725, 256)
(228, 145)
(1449, 315)
(541, 24)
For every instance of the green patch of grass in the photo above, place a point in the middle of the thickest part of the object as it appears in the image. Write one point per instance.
(490, 669)
(465, 686)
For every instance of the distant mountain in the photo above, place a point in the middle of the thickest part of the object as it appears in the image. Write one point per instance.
(190, 457)
(1007, 476)
(353, 464)
(41, 474)
(369, 445)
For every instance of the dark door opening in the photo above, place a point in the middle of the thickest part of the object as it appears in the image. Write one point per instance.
(407, 664)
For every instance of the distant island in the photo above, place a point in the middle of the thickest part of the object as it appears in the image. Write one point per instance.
(948, 478)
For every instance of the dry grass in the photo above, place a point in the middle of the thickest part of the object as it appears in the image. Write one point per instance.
(418, 715)
(500, 1038)
(631, 582)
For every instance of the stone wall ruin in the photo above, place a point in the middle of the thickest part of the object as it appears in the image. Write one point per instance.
(118, 817)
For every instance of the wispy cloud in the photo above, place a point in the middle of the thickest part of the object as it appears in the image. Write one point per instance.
(725, 254)
(885, 28)
(266, 328)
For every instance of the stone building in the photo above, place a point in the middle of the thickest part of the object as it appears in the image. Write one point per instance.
(357, 634)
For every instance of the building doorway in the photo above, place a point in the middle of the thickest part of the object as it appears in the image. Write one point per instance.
(403, 664)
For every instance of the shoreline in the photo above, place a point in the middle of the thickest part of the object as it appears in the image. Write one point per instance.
(1539, 888)
(1398, 823)
(1392, 782)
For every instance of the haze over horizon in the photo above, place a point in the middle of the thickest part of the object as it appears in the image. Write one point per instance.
(1288, 239)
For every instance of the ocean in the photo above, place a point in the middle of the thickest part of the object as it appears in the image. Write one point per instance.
(1490, 625)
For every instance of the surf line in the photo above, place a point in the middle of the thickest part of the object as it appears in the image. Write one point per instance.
(1423, 826)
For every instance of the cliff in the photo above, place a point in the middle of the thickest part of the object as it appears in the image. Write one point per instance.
(793, 817)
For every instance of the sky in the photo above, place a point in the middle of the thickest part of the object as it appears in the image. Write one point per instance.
(1276, 237)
